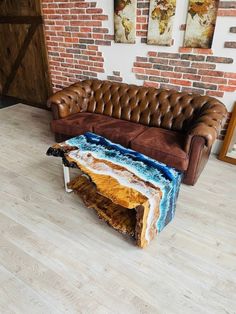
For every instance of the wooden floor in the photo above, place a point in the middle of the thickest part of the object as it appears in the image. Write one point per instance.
(57, 257)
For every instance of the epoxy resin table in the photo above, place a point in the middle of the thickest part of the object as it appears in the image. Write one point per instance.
(133, 193)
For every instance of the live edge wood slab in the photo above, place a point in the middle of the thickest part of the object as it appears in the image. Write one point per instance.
(134, 194)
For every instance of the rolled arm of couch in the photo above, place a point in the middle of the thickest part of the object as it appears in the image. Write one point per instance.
(69, 101)
(208, 123)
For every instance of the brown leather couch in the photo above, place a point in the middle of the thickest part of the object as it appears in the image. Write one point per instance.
(176, 128)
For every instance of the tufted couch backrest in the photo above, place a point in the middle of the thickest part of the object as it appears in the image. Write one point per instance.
(167, 109)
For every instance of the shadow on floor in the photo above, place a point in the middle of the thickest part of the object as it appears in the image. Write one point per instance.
(7, 101)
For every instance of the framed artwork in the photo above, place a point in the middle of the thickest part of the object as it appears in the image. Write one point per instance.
(228, 150)
(200, 23)
(161, 18)
(125, 21)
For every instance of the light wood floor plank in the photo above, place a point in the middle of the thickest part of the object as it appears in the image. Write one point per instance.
(57, 257)
(28, 301)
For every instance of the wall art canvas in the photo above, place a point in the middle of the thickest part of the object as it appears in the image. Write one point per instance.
(125, 21)
(200, 23)
(161, 18)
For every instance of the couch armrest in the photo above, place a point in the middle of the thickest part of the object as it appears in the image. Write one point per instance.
(69, 101)
(207, 123)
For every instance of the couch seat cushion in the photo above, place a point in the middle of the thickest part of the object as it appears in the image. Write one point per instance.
(119, 131)
(163, 145)
(78, 123)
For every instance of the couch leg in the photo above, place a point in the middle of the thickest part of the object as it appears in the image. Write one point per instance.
(60, 137)
(189, 180)
(57, 137)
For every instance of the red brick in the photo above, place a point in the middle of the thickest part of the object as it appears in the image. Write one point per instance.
(185, 50)
(186, 70)
(100, 30)
(171, 74)
(225, 12)
(62, 22)
(81, 67)
(169, 55)
(180, 82)
(97, 69)
(89, 53)
(232, 82)
(95, 58)
(214, 93)
(142, 65)
(192, 90)
(141, 19)
(142, 77)
(158, 79)
(151, 84)
(226, 88)
(141, 33)
(109, 37)
(152, 54)
(162, 67)
(66, 55)
(85, 29)
(230, 75)
(169, 86)
(56, 38)
(179, 63)
(77, 11)
(205, 85)
(227, 4)
(216, 80)
(83, 62)
(141, 59)
(98, 36)
(152, 72)
(90, 47)
(199, 65)
(103, 42)
(98, 64)
(232, 29)
(158, 60)
(94, 11)
(85, 23)
(49, 11)
(99, 17)
(89, 73)
(138, 70)
(114, 78)
(203, 51)
(211, 73)
(192, 77)
(192, 57)
(219, 59)
(61, 5)
(80, 4)
(71, 40)
(230, 44)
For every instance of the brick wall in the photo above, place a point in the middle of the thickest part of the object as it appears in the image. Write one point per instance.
(80, 44)
(186, 71)
(74, 33)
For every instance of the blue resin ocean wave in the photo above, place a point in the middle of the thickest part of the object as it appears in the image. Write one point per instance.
(166, 178)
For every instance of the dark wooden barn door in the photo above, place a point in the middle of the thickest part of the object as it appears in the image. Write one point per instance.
(24, 70)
